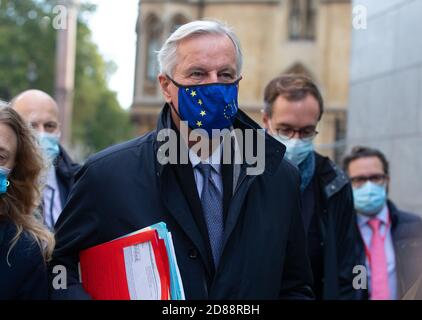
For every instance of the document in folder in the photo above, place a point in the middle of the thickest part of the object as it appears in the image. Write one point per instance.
(133, 267)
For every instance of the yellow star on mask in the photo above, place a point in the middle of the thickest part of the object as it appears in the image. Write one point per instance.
(203, 113)
(193, 93)
(199, 123)
(200, 102)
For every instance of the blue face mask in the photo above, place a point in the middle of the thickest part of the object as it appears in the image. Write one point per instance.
(49, 144)
(370, 198)
(208, 106)
(4, 183)
(297, 150)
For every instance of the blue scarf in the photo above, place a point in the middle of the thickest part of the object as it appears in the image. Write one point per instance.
(307, 170)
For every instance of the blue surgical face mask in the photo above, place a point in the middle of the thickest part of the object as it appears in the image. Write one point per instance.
(208, 106)
(4, 183)
(370, 198)
(297, 150)
(49, 143)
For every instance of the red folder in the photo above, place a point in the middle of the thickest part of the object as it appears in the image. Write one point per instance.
(104, 267)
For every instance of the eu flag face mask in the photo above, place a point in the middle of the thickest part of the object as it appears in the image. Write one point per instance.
(208, 106)
(370, 198)
(49, 144)
(4, 183)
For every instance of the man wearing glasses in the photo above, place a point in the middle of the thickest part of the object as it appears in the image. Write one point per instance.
(390, 243)
(293, 108)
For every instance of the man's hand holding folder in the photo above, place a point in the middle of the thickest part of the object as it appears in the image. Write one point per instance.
(138, 266)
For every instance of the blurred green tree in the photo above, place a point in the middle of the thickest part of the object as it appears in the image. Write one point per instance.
(27, 60)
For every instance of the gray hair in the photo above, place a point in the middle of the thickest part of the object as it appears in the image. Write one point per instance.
(3, 103)
(167, 55)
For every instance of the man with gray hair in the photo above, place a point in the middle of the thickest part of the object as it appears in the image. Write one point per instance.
(231, 239)
(3, 103)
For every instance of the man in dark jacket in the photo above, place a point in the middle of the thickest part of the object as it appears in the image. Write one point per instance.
(394, 267)
(293, 107)
(250, 249)
(41, 112)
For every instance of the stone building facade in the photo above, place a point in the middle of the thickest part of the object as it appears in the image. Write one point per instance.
(277, 36)
(385, 92)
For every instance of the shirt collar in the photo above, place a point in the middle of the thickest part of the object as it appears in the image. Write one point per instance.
(214, 160)
(382, 216)
(51, 178)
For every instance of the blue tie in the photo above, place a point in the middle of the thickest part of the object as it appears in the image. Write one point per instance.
(212, 207)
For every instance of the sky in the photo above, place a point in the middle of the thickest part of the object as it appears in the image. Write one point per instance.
(113, 30)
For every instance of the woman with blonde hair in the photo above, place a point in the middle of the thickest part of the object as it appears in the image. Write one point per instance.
(25, 244)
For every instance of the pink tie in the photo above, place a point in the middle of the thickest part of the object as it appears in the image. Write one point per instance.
(379, 274)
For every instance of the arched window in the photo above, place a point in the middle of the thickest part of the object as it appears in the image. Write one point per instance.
(152, 64)
(310, 18)
(302, 19)
(177, 20)
(340, 130)
(295, 23)
(153, 43)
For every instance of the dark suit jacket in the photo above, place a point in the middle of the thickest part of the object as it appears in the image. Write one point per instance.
(335, 218)
(406, 231)
(23, 273)
(124, 188)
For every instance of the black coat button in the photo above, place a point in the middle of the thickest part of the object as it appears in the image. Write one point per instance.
(193, 254)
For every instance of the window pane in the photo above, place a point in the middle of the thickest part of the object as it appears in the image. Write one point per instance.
(295, 25)
(310, 19)
(152, 63)
(340, 136)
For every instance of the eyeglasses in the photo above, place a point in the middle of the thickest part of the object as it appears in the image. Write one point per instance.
(359, 181)
(306, 133)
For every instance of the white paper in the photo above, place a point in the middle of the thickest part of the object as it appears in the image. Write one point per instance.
(142, 274)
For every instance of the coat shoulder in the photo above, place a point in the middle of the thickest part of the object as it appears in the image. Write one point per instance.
(406, 224)
(65, 161)
(332, 178)
(121, 150)
(22, 267)
(407, 217)
(24, 254)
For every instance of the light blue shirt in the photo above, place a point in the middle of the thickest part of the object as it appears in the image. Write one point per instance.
(51, 199)
(215, 161)
(366, 233)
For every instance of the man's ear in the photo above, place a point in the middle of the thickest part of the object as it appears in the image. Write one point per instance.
(165, 87)
(265, 120)
(238, 83)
